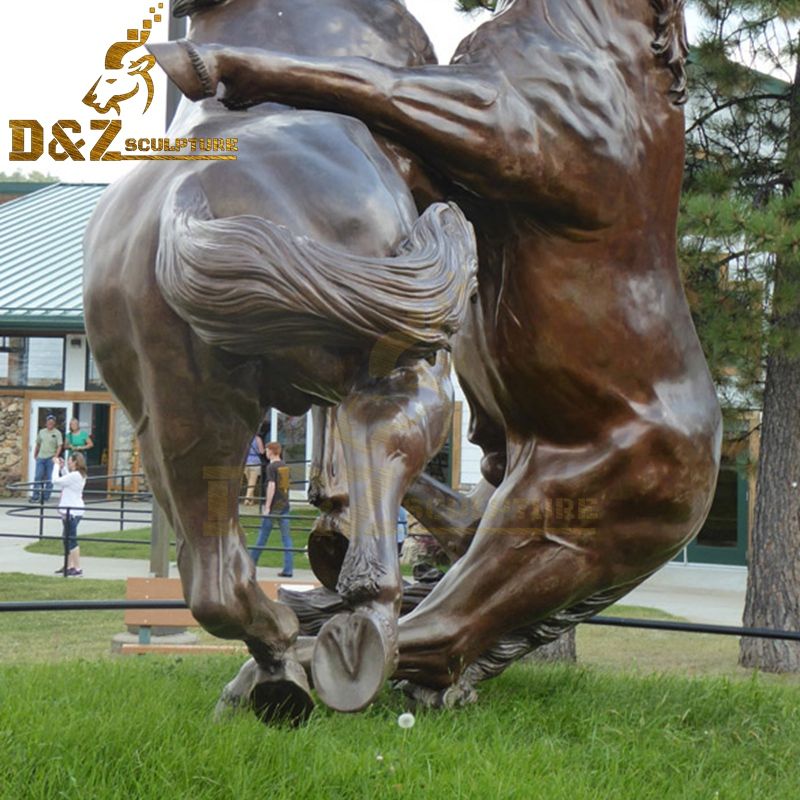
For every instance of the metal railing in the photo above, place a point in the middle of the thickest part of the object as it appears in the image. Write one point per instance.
(144, 516)
(92, 497)
(616, 622)
(100, 507)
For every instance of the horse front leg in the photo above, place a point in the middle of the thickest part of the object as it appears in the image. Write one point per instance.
(448, 515)
(388, 431)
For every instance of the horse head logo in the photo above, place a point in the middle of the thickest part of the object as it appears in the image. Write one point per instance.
(124, 71)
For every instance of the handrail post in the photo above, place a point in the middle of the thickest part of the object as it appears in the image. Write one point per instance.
(41, 513)
(122, 506)
(160, 534)
(65, 523)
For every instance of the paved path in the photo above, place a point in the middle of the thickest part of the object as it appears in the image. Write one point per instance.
(698, 593)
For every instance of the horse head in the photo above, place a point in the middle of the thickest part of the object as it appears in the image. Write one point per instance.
(125, 71)
(595, 20)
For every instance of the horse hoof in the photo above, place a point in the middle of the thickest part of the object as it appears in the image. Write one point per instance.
(326, 554)
(355, 653)
(458, 695)
(278, 693)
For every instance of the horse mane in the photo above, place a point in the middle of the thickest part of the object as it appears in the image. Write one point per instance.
(186, 8)
(671, 44)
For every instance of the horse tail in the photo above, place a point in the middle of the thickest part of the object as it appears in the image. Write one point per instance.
(249, 286)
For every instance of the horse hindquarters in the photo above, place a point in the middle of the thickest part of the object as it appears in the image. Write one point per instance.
(565, 535)
(242, 284)
(250, 286)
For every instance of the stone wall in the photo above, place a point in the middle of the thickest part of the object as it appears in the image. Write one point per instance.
(11, 444)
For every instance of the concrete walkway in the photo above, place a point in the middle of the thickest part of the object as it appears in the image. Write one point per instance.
(710, 594)
(700, 593)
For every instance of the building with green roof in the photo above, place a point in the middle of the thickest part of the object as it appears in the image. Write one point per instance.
(45, 363)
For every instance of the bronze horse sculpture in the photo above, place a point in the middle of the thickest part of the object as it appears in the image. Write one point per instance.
(214, 290)
(558, 130)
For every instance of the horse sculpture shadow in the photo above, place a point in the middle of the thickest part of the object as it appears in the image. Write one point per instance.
(214, 290)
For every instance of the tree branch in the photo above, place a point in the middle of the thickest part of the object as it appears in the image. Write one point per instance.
(733, 102)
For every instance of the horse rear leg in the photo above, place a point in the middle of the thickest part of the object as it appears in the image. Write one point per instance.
(568, 532)
(200, 418)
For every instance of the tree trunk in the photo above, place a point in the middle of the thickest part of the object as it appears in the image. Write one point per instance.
(773, 584)
(562, 649)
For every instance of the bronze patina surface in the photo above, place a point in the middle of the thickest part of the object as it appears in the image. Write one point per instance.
(287, 278)
(558, 130)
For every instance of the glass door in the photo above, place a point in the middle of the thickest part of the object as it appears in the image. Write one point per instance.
(723, 537)
(40, 409)
(292, 434)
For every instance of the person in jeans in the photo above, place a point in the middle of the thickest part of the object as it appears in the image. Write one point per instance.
(276, 506)
(71, 478)
(49, 442)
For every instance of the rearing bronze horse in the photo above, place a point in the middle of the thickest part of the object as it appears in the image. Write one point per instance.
(214, 290)
(560, 130)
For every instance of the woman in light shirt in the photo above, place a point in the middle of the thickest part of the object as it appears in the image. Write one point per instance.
(71, 478)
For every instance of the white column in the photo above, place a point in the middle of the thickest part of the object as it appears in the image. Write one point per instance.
(75, 363)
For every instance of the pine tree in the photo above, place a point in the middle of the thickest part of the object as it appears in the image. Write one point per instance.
(18, 176)
(740, 235)
(475, 5)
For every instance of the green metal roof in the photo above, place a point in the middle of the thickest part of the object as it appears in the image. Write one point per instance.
(23, 187)
(41, 258)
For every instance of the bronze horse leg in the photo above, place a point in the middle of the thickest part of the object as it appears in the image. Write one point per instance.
(553, 535)
(199, 467)
(450, 516)
(200, 472)
(194, 414)
(385, 443)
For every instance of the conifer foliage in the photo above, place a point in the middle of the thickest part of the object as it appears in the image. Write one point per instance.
(740, 251)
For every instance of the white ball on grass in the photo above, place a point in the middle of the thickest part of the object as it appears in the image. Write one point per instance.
(406, 720)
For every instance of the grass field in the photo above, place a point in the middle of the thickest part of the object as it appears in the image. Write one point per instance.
(250, 522)
(41, 637)
(627, 722)
(141, 728)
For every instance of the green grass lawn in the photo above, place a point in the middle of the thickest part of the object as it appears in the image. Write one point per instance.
(48, 636)
(626, 722)
(93, 545)
(141, 728)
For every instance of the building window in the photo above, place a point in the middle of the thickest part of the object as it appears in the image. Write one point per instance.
(292, 435)
(29, 362)
(93, 380)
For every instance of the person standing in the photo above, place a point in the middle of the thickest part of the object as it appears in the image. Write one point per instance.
(276, 506)
(252, 468)
(70, 477)
(77, 441)
(402, 529)
(49, 443)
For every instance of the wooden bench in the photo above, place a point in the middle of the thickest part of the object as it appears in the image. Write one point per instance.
(170, 589)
